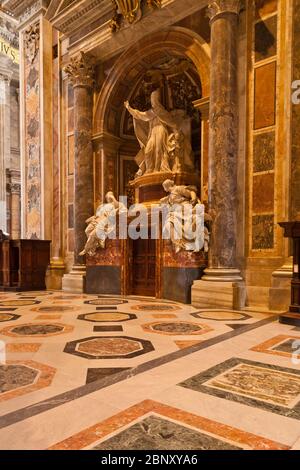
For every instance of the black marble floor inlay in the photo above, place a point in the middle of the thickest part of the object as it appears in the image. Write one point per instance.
(156, 433)
(108, 328)
(235, 326)
(95, 374)
(107, 309)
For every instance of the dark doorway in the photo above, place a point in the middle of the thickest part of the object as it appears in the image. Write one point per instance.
(144, 267)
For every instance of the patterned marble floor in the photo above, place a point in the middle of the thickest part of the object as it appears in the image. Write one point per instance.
(96, 372)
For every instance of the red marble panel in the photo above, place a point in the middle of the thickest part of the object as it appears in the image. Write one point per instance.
(265, 96)
(263, 193)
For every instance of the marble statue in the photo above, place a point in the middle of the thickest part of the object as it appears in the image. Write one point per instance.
(103, 224)
(184, 223)
(165, 147)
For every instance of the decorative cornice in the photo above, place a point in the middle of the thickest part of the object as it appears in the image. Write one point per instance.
(81, 70)
(222, 7)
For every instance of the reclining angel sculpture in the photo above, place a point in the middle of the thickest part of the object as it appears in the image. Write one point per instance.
(102, 225)
(185, 221)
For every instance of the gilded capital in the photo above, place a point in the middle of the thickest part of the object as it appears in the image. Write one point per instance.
(81, 70)
(221, 7)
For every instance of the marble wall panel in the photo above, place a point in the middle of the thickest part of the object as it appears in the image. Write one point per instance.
(264, 152)
(71, 216)
(71, 154)
(71, 241)
(265, 96)
(263, 232)
(263, 193)
(266, 38)
(71, 120)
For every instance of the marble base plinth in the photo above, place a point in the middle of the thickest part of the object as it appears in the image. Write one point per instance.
(55, 275)
(104, 280)
(212, 294)
(280, 292)
(75, 281)
(177, 283)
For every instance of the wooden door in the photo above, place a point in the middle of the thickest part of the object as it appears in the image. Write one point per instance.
(144, 267)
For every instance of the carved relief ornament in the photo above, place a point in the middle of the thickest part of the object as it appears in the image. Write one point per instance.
(221, 7)
(130, 11)
(81, 70)
(32, 40)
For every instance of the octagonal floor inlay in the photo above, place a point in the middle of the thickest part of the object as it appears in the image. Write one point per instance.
(106, 302)
(55, 309)
(37, 329)
(112, 347)
(177, 328)
(22, 377)
(15, 376)
(106, 317)
(18, 303)
(155, 307)
(8, 317)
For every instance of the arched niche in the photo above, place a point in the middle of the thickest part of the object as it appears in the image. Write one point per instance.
(122, 83)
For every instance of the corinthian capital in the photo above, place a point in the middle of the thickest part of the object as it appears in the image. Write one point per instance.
(221, 7)
(81, 70)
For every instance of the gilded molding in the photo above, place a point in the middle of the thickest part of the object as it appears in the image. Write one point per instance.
(221, 7)
(81, 70)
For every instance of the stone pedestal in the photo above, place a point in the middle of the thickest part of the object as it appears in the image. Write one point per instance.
(75, 280)
(81, 74)
(223, 152)
(280, 292)
(210, 294)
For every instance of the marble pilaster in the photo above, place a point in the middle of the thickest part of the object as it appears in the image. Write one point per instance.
(279, 298)
(5, 77)
(36, 126)
(222, 277)
(81, 74)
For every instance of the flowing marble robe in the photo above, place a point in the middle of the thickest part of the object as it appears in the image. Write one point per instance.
(184, 224)
(102, 225)
(157, 131)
